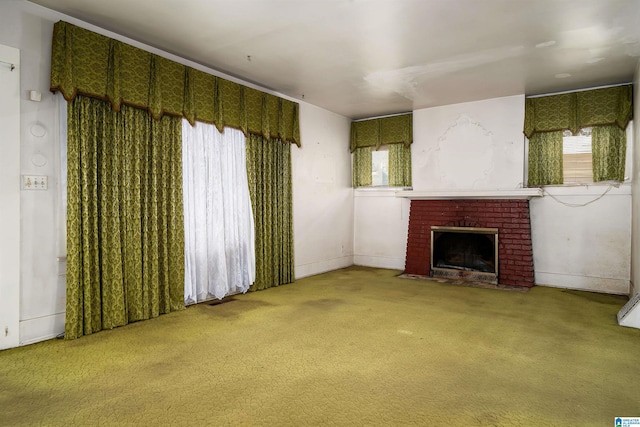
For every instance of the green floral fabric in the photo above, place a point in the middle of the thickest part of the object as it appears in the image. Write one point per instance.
(362, 167)
(399, 165)
(609, 148)
(545, 159)
(269, 176)
(125, 233)
(83, 62)
(383, 131)
(396, 132)
(576, 110)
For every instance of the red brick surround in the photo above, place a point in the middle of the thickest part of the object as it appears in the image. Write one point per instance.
(510, 217)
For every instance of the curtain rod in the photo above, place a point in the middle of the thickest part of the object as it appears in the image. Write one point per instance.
(383, 116)
(577, 90)
(11, 66)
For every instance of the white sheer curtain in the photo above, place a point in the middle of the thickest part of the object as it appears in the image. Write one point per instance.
(218, 221)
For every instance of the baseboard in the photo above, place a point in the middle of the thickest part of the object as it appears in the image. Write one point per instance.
(379, 261)
(318, 267)
(583, 283)
(41, 328)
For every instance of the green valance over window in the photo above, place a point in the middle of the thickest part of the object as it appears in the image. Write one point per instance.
(377, 132)
(87, 63)
(576, 110)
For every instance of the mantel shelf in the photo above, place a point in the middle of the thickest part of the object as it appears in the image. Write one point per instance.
(521, 193)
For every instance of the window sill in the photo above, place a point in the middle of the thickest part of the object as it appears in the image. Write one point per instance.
(378, 191)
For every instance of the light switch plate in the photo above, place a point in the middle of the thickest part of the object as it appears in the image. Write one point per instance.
(35, 182)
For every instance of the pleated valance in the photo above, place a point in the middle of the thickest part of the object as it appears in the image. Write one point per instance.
(386, 130)
(87, 63)
(575, 110)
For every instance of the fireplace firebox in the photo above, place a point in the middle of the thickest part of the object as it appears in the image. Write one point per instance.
(469, 252)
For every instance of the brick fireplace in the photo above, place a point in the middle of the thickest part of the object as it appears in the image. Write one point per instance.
(510, 216)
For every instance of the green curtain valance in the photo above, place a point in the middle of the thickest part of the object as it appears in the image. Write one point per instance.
(87, 63)
(572, 111)
(386, 130)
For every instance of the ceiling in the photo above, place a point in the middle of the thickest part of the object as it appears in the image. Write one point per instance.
(364, 58)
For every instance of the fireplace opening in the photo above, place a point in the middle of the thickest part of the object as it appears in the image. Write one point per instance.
(468, 252)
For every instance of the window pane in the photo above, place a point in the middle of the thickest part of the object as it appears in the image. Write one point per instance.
(576, 157)
(380, 167)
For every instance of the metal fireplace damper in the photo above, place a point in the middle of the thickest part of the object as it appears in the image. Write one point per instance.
(468, 253)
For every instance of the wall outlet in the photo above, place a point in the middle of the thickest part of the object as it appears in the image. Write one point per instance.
(35, 182)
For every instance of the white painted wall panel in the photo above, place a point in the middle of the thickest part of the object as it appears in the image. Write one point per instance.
(584, 247)
(474, 145)
(42, 290)
(322, 193)
(9, 197)
(381, 224)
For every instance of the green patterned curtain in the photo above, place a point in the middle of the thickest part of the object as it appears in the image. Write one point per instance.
(125, 233)
(269, 175)
(399, 165)
(396, 132)
(576, 110)
(362, 167)
(382, 131)
(545, 159)
(87, 63)
(609, 148)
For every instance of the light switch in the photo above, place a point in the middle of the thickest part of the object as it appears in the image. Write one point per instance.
(35, 182)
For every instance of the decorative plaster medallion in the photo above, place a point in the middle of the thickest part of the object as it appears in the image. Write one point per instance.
(465, 154)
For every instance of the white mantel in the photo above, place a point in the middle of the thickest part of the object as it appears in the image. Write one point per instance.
(520, 193)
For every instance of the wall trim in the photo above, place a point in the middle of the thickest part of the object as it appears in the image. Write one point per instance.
(377, 261)
(318, 267)
(41, 328)
(605, 285)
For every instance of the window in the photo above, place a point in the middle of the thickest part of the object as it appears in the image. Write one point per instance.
(555, 159)
(390, 165)
(576, 157)
(381, 150)
(380, 167)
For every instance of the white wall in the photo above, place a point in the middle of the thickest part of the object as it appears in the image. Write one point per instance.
(42, 298)
(323, 205)
(381, 224)
(322, 193)
(583, 247)
(480, 146)
(635, 240)
(9, 196)
(474, 145)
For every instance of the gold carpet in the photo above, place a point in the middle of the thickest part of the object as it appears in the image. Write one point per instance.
(356, 346)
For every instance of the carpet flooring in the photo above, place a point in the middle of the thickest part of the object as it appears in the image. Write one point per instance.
(357, 346)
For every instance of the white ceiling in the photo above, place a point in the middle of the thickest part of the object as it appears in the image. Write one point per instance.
(363, 58)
